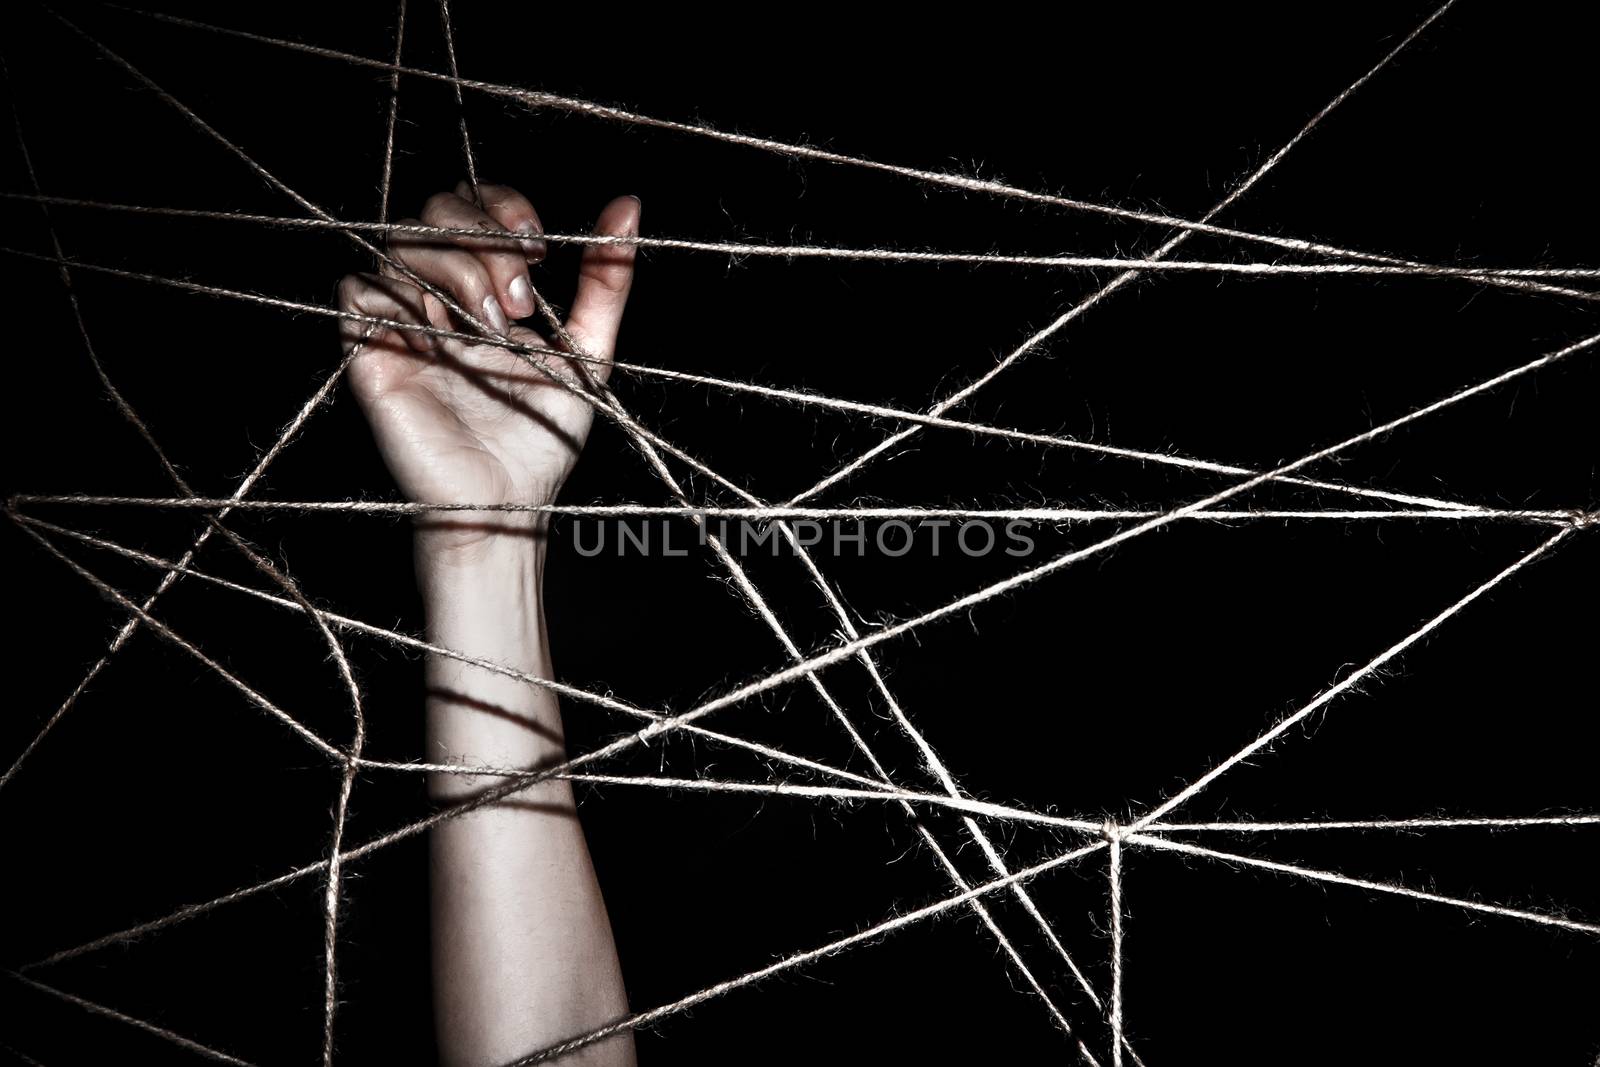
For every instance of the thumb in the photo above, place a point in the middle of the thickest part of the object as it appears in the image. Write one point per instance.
(604, 278)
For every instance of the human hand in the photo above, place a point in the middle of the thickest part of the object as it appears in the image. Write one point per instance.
(473, 423)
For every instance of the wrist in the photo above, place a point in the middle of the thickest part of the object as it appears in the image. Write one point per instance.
(452, 543)
(450, 551)
(483, 596)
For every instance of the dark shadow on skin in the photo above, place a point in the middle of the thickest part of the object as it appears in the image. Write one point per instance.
(488, 382)
(535, 807)
(489, 782)
(476, 704)
(430, 523)
(484, 381)
(569, 810)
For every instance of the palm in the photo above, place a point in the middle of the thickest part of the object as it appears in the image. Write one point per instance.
(475, 424)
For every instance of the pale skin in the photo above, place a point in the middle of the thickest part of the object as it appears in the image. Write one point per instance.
(523, 955)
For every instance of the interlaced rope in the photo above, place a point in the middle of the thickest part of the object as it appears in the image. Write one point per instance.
(1153, 830)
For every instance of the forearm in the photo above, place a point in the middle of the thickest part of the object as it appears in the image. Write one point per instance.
(522, 949)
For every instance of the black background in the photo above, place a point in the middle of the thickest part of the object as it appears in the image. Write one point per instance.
(1097, 691)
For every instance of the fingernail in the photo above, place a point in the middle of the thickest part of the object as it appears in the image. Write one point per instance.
(493, 315)
(521, 297)
(535, 249)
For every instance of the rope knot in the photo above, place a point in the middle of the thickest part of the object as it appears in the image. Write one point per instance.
(1111, 831)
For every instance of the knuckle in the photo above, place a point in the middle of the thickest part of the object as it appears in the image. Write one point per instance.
(503, 263)
(611, 278)
(398, 241)
(355, 291)
(506, 200)
(474, 278)
(349, 291)
(468, 282)
(438, 205)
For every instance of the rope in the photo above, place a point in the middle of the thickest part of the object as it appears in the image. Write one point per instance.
(1145, 832)
(773, 514)
(961, 183)
(452, 236)
(758, 686)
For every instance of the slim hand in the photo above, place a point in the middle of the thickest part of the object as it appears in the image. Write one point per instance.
(468, 423)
